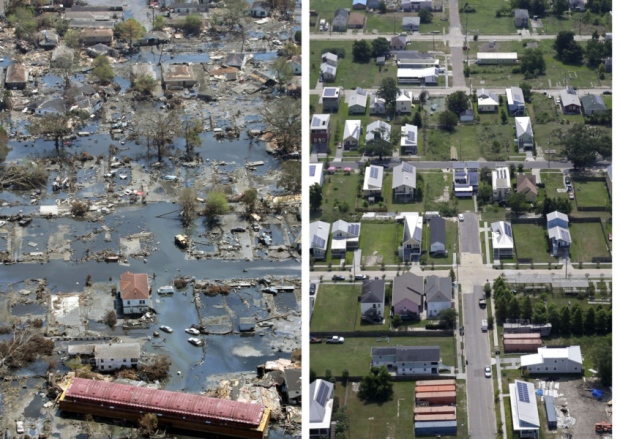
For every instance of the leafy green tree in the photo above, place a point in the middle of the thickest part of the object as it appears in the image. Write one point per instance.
(602, 358)
(457, 102)
(22, 19)
(417, 119)
(565, 321)
(563, 41)
(72, 39)
(447, 120)
(129, 30)
(514, 310)
(532, 62)
(53, 125)
(577, 320)
(447, 317)
(345, 376)
(215, 206)
(452, 275)
(589, 323)
(380, 47)
(573, 54)
(504, 116)
(388, 90)
(193, 24)
(376, 386)
(540, 314)
(382, 144)
(501, 310)
(283, 118)
(553, 317)
(316, 196)
(601, 321)
(517, 202)
(594, 52)
(145, 84)
(159, 23)
(425, 15)
(527, 91)
(382, 7)
(361, 51)
(282, 70)
(485, 192)
(559, 7)
(191, 134)
(102, 70)
(526, 308)
(297, 37)
(582, 143)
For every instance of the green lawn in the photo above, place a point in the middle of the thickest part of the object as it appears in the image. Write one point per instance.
(331, 298)
(492, 213)
(484, 22)
(338, 188)
(382, 240)
(354, 354)
(530, 242)
(394, 205)
(591, 193)
(553, 181)
(434, 184)
(588, 242)
(392, 22)
(574, 22)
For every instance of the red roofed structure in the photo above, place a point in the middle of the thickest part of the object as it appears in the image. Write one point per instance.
(134, 292)
(173, 409)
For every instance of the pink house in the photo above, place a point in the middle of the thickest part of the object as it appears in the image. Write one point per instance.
(408, 295)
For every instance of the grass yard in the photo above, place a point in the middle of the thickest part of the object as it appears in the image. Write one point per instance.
(331, 298)
(553, 181)
(350, 74)
(574, 22)
(326, 8)
(394, 205)
(530, 243)
(437, 143)
(371, 420)
(354, 354)
(338, 188)
(392, 22)
(451, 243)
(492, 213)
(588, 242)
(381, 239)
(591, 193)
(484, 22)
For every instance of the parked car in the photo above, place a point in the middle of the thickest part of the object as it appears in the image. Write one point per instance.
(192, 331)
(237, 230)
(336, 277)
(461, 217)
(487, 371)
(571, 195)
(462, 330)
(312, 289)
(195, 341)
(607, 92)
(165, 328)
(334, 339)
(569, 189)
(567, 180)
(171, 178)
(19, 427)
(361, 276)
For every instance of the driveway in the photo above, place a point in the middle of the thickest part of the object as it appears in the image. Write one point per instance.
(470, 234)
(480, 405)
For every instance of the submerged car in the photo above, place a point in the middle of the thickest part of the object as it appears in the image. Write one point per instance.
(192, 331)
(195, 341)
(165, 328)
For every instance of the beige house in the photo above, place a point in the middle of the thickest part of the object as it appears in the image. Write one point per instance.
(90, 37)
(526, 185)
(177, 76)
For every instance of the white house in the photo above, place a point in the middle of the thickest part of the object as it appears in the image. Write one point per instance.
(345, 236)
(107, 357)
(525, 420)
(316, 174)
(497, 58)
(438, 292)
(319, 237)
(515, 100)
(488, 102)
(426, 76)
(372, 301)
(409, 139)
(134, 292)
(52, 106)
(524, 132)
(321, 407)
(330, 58)
(407, 360)
(404, 181)
(551, 360)
(411, 247)
(376, 104)
(351, 136)
(357, 101)
(503, 241)
(328, 72)
(403, 101)
(373, 181)
(559, 235)
(378, 130)
(260, 9)
(500, 179)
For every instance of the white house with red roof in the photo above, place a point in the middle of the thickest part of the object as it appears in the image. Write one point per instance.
(135, 293)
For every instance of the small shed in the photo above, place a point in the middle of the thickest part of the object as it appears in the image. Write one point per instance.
(552, 419)
(433, 428)
(246, 323)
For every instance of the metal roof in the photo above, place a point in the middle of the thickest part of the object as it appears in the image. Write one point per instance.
(173, 403)
(404, 175)
(373, 178)
(321, 403)
(352, 128)
(523, 405)
(523, 125)
(409, 353)
(438, 230)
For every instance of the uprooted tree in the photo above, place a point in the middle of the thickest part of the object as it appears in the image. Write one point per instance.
(283, 117)
(25, 346)
(24, 176)
(156, 369)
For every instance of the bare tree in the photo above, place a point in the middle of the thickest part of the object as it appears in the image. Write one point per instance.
(191, 132)
(160, 128)
(187, 202)
(25, 346)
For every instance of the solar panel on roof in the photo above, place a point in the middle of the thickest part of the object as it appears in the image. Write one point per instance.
(524, 395)
(354, 229)
(318, 241)
(329, 92)
(316, 122)
(312, 170)
(564, 234)
(508, 229)
(322, 394)
(374, 172)
(407, 168)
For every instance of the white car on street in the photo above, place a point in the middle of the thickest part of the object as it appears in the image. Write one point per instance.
(487, 371)
(461, 217)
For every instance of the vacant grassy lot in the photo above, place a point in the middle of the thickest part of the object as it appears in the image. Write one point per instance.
(370, 420)
(591, 193)
(438, 142)
(484, 22)
(553, 181)
(330, 298)
(392, 22)
(338, 188)
(530, 242)
(575, 23)
(588, 242)
(350, 74)
(354, 354)
(381, 239)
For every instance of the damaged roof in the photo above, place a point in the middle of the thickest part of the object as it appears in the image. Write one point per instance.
(177, 72)
(16, 73)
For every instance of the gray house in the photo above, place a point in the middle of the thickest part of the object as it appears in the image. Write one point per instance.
(319, 237)
(591, 104)
(341, 18)
(331, 99)
(407, 360)
(522, 18)
(438, 235)
(559, 235)
(404, 181)
(411, 24)
(373, 300)
(408, 295)
(438, 295)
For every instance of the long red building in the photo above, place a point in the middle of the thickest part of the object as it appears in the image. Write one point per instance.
(173, 409)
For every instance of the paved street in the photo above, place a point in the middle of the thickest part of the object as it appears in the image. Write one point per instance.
(480, 393)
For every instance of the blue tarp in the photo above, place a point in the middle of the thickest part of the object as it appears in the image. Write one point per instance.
(539, 392)
(597, 393)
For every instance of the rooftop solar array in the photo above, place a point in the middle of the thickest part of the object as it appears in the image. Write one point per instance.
(354, 229)
(524, 395)
(374, 172)
(508, 230)
(318, 241)
(323, 394)
(316, 121)
(329, 92)
(565, 235)
(312, 170)
(407, 168)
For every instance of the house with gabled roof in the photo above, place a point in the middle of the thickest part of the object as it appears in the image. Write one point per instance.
(134, 292)
(319, 237)
(330, 58)
(411, 24)
(16, 77)
(409, 139)
(569, 101)
(437, 244)
(373, 181)
(357, 20)
(260, 9)
(515, 101)
(438, 292)
(359, 4)
(553, 360)
(403, 101)
(407, 360)
(524, 132)
(408, 295)
(177, 76)
(502, 239)
(328, 72)
(525, 420)
(321, 407)
(376, 105)
(526, 185)
(592, 104)
(372, 301)
(411, 247)
(345, 236)
(488, 102)
(316, 174)
(559, 236)
(398, 42)
(357, 101)
(522, 18)
(295, 62)
(352, 132)
(341, 18)
(378, 130)
(331, 99)
(404, 181)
